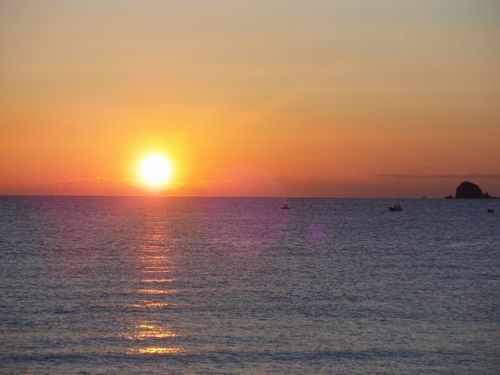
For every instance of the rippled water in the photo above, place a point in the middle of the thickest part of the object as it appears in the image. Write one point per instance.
(199, 285)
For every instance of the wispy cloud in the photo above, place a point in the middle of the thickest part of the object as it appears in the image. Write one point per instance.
(492, 176)
(86, 180)
(73, 186)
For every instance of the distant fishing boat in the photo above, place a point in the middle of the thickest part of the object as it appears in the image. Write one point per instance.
(285, 206)
(490, 210)
(396, 207)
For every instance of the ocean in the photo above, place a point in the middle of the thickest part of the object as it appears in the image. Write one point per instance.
(151, 285)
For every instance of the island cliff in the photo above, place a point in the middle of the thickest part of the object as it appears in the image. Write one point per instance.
(468, 190)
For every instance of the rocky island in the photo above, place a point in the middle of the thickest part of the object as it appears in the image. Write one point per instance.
(468, 190)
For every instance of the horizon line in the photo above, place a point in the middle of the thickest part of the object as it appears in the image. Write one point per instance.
(209, 196)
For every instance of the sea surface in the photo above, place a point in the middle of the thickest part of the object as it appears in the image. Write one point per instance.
(150, 285)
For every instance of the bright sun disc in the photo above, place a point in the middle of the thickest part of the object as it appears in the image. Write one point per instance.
(155, 171)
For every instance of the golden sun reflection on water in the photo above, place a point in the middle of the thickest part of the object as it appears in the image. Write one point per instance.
(156, 350)
(156, 270)
(152, 331)
(149, 305)
(147, 335)
(155, 291)
(157, 280)
(155, 258)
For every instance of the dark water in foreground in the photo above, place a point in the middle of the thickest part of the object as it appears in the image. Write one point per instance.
(194, 285)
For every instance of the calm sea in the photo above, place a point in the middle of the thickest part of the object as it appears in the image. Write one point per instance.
(199, 286)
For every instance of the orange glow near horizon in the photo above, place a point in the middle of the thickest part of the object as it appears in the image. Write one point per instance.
(318, 98)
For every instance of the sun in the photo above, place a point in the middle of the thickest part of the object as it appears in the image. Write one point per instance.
(155, 171)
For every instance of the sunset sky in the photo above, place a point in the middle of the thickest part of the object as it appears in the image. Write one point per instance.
(340, 98)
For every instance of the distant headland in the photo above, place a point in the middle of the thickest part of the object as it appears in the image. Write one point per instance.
(468, 190)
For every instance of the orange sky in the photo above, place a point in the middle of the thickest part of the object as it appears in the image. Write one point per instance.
(298, 98)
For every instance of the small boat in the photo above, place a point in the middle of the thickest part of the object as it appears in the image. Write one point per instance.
(285, 206)
(396, 207)
(490, 210)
